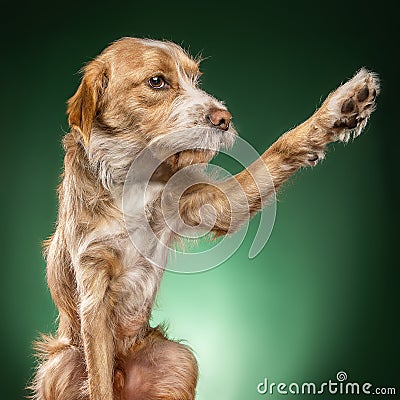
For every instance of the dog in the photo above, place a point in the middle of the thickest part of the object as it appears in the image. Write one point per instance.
(140, 94)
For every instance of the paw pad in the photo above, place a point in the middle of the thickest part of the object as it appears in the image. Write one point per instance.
(348, 106)
(352, 104)
(363, 94)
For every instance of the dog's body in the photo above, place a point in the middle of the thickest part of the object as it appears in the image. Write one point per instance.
(140, 93)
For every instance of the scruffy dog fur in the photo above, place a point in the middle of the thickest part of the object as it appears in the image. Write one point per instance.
(137, 92)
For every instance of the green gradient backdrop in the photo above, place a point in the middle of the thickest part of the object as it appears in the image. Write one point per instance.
(323, 294)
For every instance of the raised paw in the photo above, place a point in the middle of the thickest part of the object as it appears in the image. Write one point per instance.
(349, 107)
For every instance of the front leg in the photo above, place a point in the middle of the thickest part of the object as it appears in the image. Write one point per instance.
(96, 273)
(343, 114)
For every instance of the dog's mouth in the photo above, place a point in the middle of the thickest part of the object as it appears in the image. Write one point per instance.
(189, 157)
(191, 145)
(196, 145)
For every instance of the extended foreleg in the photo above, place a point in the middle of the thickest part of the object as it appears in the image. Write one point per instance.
(344, 113)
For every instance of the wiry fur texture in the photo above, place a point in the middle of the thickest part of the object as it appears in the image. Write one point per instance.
(101, 284)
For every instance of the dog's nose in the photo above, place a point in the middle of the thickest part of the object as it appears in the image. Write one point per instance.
(220, 118)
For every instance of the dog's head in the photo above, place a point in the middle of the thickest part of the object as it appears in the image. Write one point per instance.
(139, 92)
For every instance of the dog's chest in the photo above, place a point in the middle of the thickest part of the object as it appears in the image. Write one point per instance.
(140, 233)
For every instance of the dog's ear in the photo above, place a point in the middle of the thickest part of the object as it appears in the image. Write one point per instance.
(83, 106)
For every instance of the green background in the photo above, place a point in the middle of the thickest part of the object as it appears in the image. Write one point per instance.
(323, 294)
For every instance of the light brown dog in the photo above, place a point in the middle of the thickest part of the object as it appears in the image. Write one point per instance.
(139, 93)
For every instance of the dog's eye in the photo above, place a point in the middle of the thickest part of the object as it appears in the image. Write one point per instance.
(157, 82)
